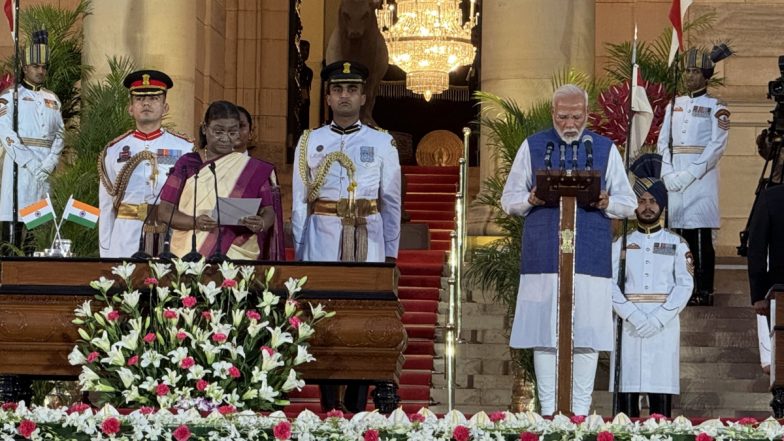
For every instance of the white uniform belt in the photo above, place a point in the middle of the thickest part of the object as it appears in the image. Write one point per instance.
(37, 142)
(653, 297)
(688, 149)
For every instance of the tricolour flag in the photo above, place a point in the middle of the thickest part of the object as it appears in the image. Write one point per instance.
(37, 213)
(643, 113)
(83, 214)
(677, 12)
(10, 13)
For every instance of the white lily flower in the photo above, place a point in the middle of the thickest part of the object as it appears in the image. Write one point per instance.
(214, 392)
(267, 393)
(292, 382)
(177, 355)
(85, 311)
(136, 325)
(269, 274)
(187, 314)
(268, 300)
(304, 331)
(257, 376)
(228, 270)
(254, 327)
(180, 267)
(183, 290)
(210, 351)
(131, 395)
(270, 362)
(131, 298)
(88, 375)
(239, 294)
(247, 272)
(160, 269)
(149, 384)
(197, 372)
(76, 357)
(127, 377)
(163, 293)
(237, 316)
(197, 268)
(290, 307)
(200, 335)
(172, 377)
(317, 311)
(278, 337)
(151, 357)
(102, 284)
(250, 394)
(102, 342)
(125, 271)
(293, 286)
(216, 316)
(210, 291)
(303, 356)
(130, 341)
(221, 328)
(220, 369)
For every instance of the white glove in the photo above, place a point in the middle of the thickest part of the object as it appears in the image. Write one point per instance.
(42, 175)
(637, 318)
(670, 182)
(684, 179)
(651, 327)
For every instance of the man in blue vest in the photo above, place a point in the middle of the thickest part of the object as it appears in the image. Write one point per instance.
(535, 316)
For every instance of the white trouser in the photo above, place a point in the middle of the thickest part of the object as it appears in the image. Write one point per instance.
(583, 375)
(763, 336)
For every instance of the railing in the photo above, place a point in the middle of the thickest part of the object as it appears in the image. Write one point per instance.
(457, 251)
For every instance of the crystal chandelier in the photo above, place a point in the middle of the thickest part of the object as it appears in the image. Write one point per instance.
(427, 39)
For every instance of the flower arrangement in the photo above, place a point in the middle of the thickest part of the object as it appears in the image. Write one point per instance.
(80, 422)
(193, 345)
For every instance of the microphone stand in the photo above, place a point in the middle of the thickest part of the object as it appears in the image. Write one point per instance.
(575, 146)
(167, 255)
(141, 254)
(217, 256)
(193, 255)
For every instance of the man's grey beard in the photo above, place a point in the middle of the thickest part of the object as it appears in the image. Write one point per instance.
(571, 139)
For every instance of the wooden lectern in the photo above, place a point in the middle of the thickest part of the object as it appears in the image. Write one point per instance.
(566, 189)
(776, 322)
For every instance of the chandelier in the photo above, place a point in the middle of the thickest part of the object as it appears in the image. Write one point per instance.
(427, 39)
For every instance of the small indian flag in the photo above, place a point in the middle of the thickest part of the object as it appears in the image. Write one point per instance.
(37, 213)
(83, 214)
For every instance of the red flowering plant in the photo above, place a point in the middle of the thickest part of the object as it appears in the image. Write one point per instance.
(230, 343)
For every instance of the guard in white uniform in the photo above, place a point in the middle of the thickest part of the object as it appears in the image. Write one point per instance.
(700, 125)
(346, 194)
(133, 169)
(658, 285)
(36, 146)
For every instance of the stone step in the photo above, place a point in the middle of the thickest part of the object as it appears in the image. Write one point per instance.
(735, 300)
(716, 312)
(749, 405)
(698, 401)
(696, 385)
(721, 371)
(723, 339)
(704, 354)
(725, 324)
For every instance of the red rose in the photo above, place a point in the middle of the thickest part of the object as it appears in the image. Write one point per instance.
(529, 436)
(113, 315)
(182, 433)
(218, 337)
(206, 315)
(187, 363)
(577, 419)
(162, 389)
(461, 433)
(170, 314)
(201, 385)
(417, 418)
(9, 405)
(147, 410)
(227, 409)
(188, 302)
(26, 428)
(497, 417)
(253, 315)
(150, 281)
(605, 436)
(92, 356)
(334, 413)
(78, 408)
(370, 435)
(110, 426)
(703, 437)
(268, 350)
(133, 360)
(228, 283)
(234, 372)
(657, 417)
(150, 337)
(282, 430)
(295, 322)
(181, 336)
(747, 421)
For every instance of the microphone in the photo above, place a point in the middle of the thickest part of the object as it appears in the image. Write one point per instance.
(562, 162)
(548, 153)
(588, 143)
(217, 256)
(167, 255)
(575, 146)
(140, 253)
(193, 255)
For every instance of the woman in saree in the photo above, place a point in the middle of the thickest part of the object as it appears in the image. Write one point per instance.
(259, 236)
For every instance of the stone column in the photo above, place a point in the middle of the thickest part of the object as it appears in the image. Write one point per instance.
(155, 34)
(543, 38)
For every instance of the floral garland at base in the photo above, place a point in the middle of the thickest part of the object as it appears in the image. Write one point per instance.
(81, 422)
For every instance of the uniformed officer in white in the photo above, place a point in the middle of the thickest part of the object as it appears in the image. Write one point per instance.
(346, 193)
(659, 283)
(38, 142)
(134, 166)
(700, 125)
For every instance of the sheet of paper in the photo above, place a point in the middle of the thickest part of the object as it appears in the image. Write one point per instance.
(232, 210)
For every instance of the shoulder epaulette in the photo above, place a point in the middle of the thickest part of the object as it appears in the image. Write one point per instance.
(117, 139)
(676, 235)
(181, 136)
(377, 128)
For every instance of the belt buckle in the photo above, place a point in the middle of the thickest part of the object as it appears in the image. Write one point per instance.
(141, 211)
(341, 208)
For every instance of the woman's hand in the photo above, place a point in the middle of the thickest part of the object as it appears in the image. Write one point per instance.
(205, 223)
(253, 223)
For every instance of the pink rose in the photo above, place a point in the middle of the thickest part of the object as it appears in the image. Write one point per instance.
(417, 418)
(206, 315)
(370, 435)
(295, 322)
(170, 314)
(150, 281)
(461, 433)
(187, 363)
(182, 433)
(252, 315)
(748, 421)
(577, 419)
(605, 436)
(26, 428)
(133, 360)
(228, 283)
(219, 337)
(150, 337)
(181, 336)
(147, 410)
(201, 385)
(113, 315)
(703, 437)
(657, 417)
(162, 389)
(227, 409)
(334, 413)
(78, 408)
(234, 372)
(529, 436)
(282, 430)
(497, 417)
(9, 405)
(188, 302)
(110, 426)
(268, 350)
(92, 356)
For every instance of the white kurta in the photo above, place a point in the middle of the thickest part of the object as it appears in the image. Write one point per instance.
(317, 237)
(656, 263)
(35, 146)
(535, 314)
(696, 124)
(120, 237)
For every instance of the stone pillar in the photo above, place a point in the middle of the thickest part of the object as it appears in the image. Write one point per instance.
(545, 37)
(155, 35)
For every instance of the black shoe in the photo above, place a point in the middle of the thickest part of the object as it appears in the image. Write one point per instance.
(701, 299)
